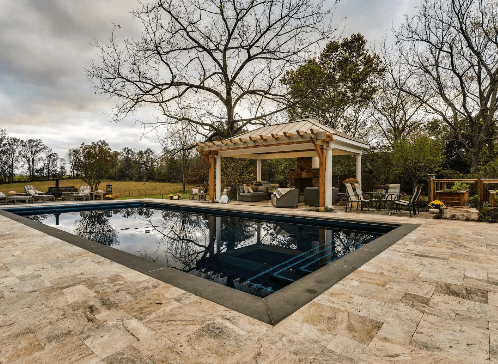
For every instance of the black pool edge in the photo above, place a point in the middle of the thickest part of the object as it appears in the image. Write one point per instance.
(271, 309)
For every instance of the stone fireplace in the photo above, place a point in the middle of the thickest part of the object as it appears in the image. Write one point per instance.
(304, 175)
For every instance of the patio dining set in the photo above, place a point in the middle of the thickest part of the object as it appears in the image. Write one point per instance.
(388, 198)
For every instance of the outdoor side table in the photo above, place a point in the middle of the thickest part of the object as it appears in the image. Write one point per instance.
(202, 196)
(97, 194)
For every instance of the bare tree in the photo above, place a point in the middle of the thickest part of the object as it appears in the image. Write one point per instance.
(31, 152)
(179, 143)
(72, 157)
(396, 113)
(214, 64)
(12, 156)
(3, 155)
(451, 46)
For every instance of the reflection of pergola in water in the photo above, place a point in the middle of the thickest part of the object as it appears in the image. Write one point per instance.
(304, 138)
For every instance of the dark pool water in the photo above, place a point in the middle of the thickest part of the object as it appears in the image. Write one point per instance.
(255, 256)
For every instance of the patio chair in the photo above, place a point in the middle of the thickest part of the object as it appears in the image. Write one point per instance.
(83, 194)
(412, 204)
(285, 197)
(3, 198)
(355, 196)
(393, 194)
(30, 190)
(196, 193)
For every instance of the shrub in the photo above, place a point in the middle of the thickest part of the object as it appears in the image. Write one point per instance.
(488, 215)
(459, 186)
(474, 201)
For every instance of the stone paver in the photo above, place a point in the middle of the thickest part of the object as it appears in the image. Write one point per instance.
(430, 298)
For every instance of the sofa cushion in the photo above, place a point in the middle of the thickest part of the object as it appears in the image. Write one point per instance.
(241, 189)
(249, 189)
(262, 189)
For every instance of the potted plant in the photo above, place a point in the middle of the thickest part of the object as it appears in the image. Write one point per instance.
(454, 196)
(435, 206)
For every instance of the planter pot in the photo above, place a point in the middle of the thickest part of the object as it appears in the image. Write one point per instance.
(170, 197)
(434, 211)
(457, 198)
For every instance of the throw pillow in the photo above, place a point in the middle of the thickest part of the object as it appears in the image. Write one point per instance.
(246, 189)
(195, 191)
(241, 189)
(250, 189)
(31, 192)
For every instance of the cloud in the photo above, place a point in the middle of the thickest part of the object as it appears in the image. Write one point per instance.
(46, 45)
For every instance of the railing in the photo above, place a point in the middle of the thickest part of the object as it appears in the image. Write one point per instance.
(479, 186)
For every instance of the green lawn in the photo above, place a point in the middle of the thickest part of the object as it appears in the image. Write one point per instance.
(122, 190)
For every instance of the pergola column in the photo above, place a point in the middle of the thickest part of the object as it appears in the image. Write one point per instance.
(218, 177)
(258, 170)
(211, 178)
(358, 168)
(328, 177)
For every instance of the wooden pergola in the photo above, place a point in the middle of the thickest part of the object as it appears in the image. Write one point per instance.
(304, 138)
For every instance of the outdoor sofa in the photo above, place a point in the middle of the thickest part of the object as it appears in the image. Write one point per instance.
(312, 196)
(259, 193)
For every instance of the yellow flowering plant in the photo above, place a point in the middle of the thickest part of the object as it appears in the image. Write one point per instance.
(436, 204)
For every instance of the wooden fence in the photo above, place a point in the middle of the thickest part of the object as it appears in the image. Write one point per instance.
(479, 186)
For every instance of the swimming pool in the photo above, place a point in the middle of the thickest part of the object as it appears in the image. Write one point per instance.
(262, 255)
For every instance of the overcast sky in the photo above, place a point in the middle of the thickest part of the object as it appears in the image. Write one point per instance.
(45, 46)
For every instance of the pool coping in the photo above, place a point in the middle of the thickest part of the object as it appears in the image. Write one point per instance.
(271, 309)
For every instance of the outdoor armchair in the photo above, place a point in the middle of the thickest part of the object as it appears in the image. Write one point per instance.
(285, 197)
(412, 204)
(83, 194)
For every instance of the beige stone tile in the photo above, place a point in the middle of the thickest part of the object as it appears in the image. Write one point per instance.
(347, 347)
(442, 273)
(17, 347)
(390, 294)
(399, 314)
(104, 340)
(455, 340)
(175, 320)
(339, 322)
(416, 286)
(464, 307)
(382, 351)
(464, 292)
(127, 355)
(68, 350)
(369, 277)
(493, 340)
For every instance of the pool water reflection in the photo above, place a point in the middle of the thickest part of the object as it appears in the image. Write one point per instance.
(257, 257)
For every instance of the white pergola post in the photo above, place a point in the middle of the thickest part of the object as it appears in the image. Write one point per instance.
(218, 235)
(258, 170)
(358, 168)
(218, 178)
(328, 177)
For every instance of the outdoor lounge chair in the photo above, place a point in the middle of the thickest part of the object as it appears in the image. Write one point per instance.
(285, 197)
(30, 190)
(3, 198)
(355, 196)
(412, 204)
(83, 194)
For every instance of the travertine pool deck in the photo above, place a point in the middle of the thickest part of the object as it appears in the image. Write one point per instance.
(430, 298)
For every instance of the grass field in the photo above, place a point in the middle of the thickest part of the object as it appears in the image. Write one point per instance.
(122, 190)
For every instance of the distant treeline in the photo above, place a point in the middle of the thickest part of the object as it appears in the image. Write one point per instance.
(32, 160)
